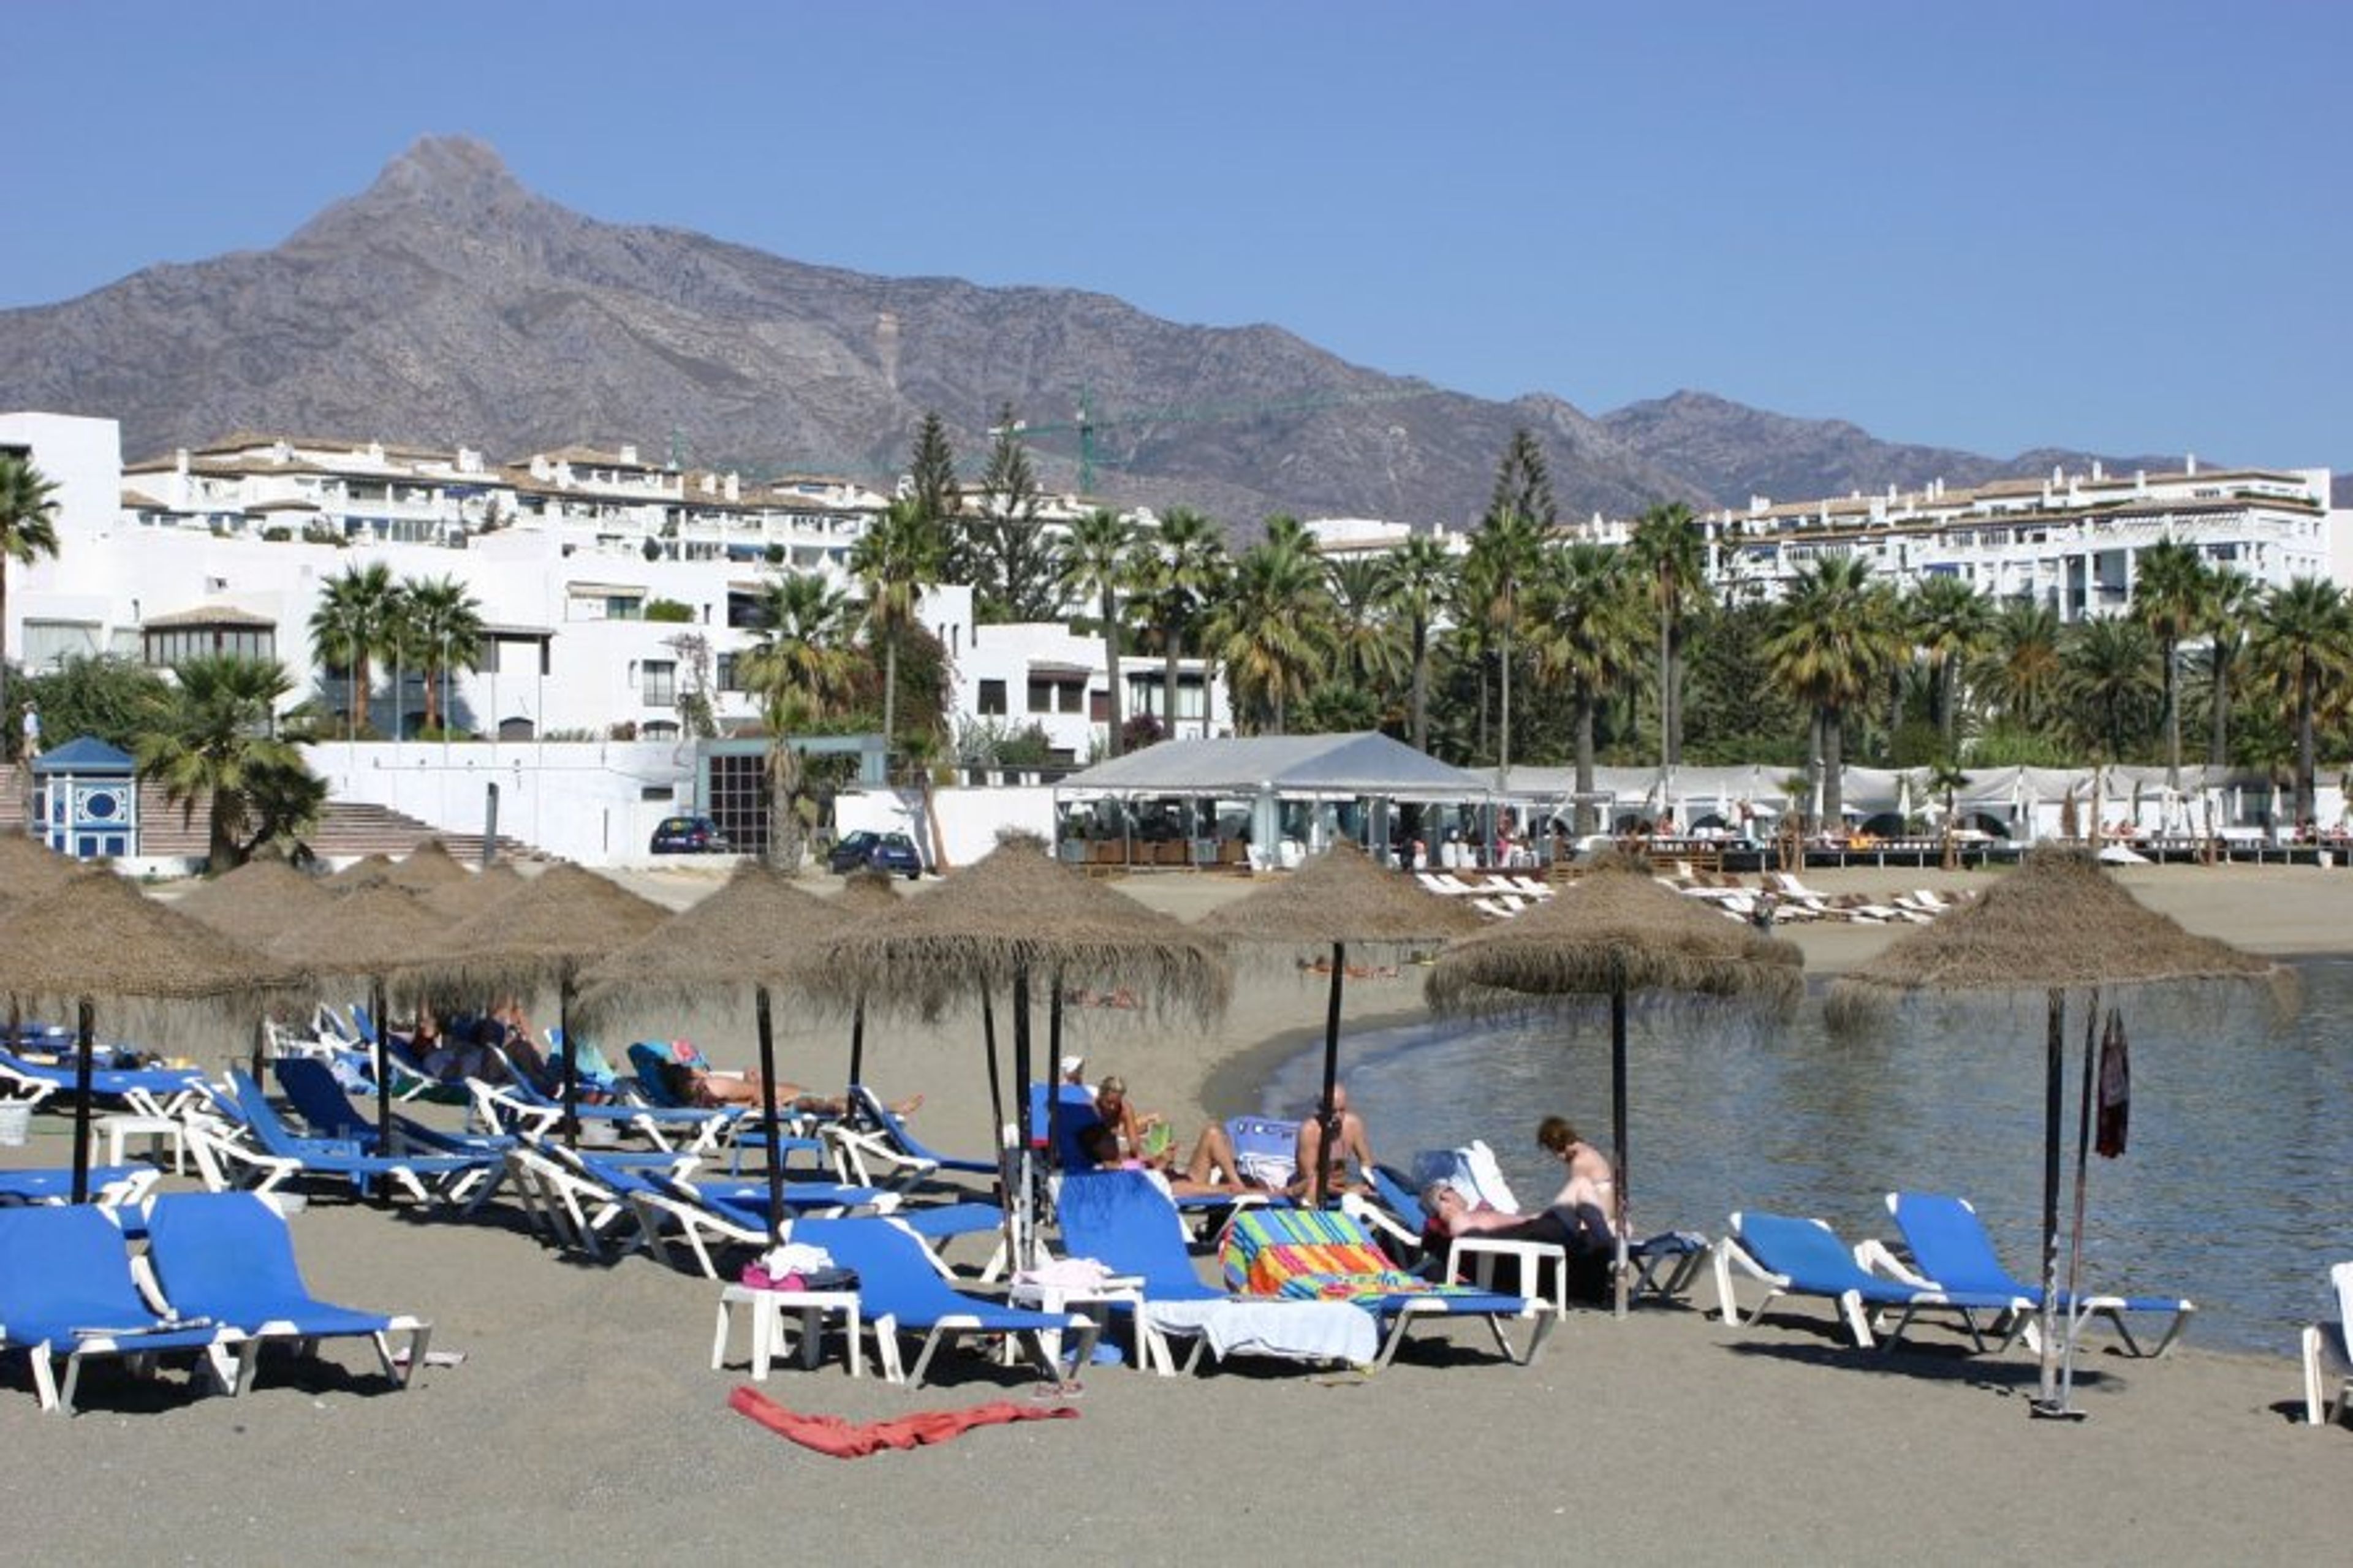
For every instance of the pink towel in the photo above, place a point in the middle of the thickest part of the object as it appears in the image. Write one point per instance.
(851, 1440)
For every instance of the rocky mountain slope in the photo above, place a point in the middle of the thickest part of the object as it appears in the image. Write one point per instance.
(449, 304)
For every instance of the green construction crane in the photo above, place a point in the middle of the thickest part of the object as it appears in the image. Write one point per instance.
(1084, 424)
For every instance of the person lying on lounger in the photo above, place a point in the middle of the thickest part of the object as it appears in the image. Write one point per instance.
(1148, 1139)
(1197, 1178)
(1580, 1228)
(692, 1085)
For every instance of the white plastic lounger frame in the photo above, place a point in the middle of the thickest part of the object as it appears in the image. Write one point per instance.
(2328, 1356)
(1730, 1257)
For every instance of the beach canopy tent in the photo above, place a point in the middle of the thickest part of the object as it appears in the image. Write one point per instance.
(2056, 924)
(1290, 796)
(1339, 899)
(1614, 933)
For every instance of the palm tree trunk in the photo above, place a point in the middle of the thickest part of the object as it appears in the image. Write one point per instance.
(1833, 764)
(1111, 668)
(889, 698)
(2307, 681)
(1168, 683)
(1666, 690)
(2172, 714)
(432, 701)
(1421, 684)
(1674, 698)
(2218, 739)
(1584, 710)
(220, 847)
(1505, 748)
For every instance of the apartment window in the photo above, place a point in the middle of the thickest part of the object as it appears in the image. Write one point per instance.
(725, 672)
(1042, 696)
(992, 698)
(1072, 695)
(660, 683)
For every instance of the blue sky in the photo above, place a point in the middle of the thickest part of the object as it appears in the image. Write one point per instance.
(1994, 226)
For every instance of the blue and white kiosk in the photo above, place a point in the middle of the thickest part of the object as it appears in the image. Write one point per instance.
(86, 800)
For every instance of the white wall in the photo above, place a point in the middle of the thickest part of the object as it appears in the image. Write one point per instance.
(580, 800)
(969, 819)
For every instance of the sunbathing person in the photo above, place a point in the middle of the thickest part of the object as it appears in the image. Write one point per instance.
(1590, 1178)
(1147, 1137)
(692, 1085)
(1197, 1178)
(1352, 1144)
(1580, 1228)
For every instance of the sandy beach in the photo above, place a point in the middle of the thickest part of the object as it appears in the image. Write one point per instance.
(585, 1421)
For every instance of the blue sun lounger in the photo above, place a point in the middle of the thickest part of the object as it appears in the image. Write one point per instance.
(327, 1109)
(873, 1133)
(1123, 1220)
(1805, 1258)
(67, 1294)
(150, 1091)
(230, 1257)
(900, 1287)
(430, 1178)
(1951, 1251)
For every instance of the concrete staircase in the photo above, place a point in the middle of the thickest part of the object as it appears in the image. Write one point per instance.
(346, 831)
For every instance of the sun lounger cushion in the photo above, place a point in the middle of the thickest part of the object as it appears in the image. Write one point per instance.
(1307, 1255)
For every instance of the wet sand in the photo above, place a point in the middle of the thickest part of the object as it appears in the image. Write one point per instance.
(585, 1420)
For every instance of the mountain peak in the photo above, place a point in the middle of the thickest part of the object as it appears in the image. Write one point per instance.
(438, 180)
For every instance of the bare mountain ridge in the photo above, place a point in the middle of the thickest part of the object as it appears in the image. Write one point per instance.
(447, 304)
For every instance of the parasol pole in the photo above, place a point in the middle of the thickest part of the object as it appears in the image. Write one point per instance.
(858, 1042)
(1327, 1117)
(2054, 1113)
(1023, 1066)
(570, 1060)
(2075, 1245)
(1054, 1083)
(996, 1110)
(1618, 1128)
(381, 1018)
(767, 1033)
(84, 1027)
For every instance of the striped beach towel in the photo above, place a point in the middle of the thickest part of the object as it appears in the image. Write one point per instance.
(1315, 1256)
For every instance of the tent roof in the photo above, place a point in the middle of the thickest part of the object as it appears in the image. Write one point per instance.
(1368, 762)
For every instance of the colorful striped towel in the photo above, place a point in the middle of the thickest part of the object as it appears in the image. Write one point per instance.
(1315, 1256)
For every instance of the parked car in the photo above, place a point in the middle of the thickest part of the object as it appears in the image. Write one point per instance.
(892, 852)
(689, 836)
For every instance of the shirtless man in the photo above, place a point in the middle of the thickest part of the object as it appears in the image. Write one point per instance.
(1590, 1178)
(1352, 1144)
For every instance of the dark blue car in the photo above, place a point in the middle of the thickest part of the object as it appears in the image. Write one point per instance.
(689, 835)
(892, 852)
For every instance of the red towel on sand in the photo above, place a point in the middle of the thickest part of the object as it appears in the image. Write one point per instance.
(851, 1440)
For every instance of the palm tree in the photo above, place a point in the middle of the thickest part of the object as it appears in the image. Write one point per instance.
(799, 668)
(1836, 638)
(2021, 665)
(899, 555)
(1272, 631)
(1421, 575)
(1503, 558)
(28, 530)
(2232, 599)
(212, 741)
(1666, 541)
(1097, 559)
(1588, 632)
(2304, 635)
(441, 624)
(1365, 637)
(1950, 623)
(2170, 584)
(355, 622)
(1184, 570)
(2104, 671)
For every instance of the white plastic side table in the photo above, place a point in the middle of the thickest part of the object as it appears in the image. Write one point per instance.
(768, 1312)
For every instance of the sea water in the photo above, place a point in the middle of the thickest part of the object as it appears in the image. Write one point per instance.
(2236, 1189)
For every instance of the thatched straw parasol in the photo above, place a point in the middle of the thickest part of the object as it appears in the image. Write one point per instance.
(1615, 932)
(95, 936)
(541, 937)
(29, 867)
(1012, 916)
(368, 932)
(428, 869)
(2058, 923)
(1338, 899)
(760, 931)
(258, 901)
(477, 892)
(361, 870)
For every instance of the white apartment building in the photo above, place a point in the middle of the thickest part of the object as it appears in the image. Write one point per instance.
(596, 574)
(2070, 541)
